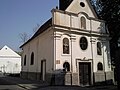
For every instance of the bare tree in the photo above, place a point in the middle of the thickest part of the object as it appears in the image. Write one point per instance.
(36, 28)
(24, 37)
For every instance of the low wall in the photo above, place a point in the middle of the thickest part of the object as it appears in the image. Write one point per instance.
(65, 79)
(101, 78)
(31, 75)
(53, 79)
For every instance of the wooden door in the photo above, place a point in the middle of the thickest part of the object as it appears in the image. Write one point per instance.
(43, 69)
(84, 73)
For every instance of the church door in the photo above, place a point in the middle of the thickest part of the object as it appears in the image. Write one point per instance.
(43, 69)
(84, 73)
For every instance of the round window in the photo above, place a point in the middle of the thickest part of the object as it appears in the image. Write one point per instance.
(83, 43)
(82, 4)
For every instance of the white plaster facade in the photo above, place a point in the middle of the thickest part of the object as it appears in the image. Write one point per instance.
(48, 45)
(10, 61)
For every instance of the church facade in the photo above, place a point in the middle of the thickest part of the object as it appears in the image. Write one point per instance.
(71, 48)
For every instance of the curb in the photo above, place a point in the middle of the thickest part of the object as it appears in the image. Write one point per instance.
(23, 86)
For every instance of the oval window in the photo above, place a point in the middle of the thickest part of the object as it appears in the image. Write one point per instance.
(82, 4)
(83, 43)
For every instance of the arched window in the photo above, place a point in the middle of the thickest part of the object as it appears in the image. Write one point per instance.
(32, 59)
(99, 51)
(100, 66)
(66, 66)
(83, 23)
(65, 46)
(25, 60)
(83, 43)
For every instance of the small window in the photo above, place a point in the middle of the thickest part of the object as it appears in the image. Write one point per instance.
(99, 51)
(25, 60)
(65, 46)
(83, 43)
(66, 66)
(32, 59)
(100, 66)
(83, 23)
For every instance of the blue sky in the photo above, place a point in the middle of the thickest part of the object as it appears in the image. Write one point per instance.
(19, 16)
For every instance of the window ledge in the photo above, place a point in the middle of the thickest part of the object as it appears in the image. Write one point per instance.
(66, 55)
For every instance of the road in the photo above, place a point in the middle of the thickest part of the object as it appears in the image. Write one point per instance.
(8, 85)
(14, 83)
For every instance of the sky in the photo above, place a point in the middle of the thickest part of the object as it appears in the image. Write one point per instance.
(19, 16)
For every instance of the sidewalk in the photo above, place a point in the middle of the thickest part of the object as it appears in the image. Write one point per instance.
(40, 85)
(27, 84)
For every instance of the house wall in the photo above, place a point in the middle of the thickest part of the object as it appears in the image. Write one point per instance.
(73, 21)
(10, 61)
(94, 26)
(98, 26)
(42, 46)
(10, 65)
(90, 55)
(94, 32)
(76, 8)
(48, 46)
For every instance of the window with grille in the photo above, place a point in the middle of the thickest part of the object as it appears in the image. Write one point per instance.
(83, 23)
(100, 66)
(83, 43)
(66, 66)
(65, 46)
(99, 51)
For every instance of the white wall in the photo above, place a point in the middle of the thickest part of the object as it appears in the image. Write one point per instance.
(76, 8)
(73, 25)
(73, 21)
(59, 51)
(85, 55)
(48, 45)
(10, 65)
(10, 61)
(76, 51)
(42, 46)
(98, 26)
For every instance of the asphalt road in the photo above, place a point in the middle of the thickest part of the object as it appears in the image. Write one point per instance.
(8, 85)
(14, 83)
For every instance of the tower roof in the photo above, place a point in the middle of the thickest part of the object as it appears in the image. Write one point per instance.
(63, 4)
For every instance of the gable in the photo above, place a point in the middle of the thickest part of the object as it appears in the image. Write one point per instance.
(78, 6)
(7, 52)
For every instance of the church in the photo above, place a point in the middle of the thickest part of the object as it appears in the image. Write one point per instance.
(71, 48)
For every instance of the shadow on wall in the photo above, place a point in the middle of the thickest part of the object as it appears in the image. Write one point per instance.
(107, 82)
(104, 43)
(61, 77)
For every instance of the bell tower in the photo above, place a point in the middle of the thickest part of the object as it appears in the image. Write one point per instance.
(63, 4)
